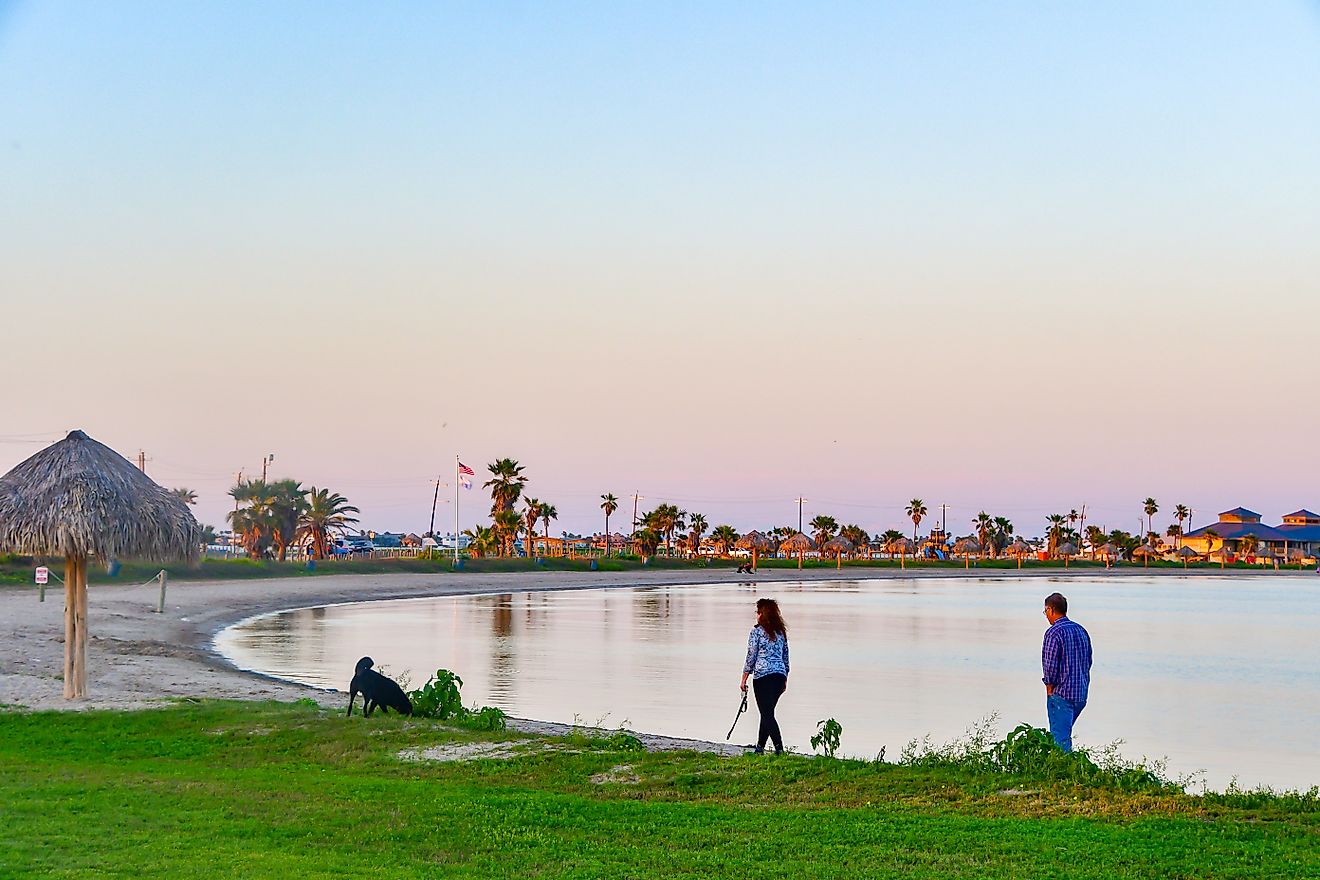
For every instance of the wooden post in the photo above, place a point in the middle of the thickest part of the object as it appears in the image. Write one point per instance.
(160, 604)
(80, 658)
(800, 559)
(70, 633)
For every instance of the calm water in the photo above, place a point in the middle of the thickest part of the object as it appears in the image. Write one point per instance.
(1220, 676)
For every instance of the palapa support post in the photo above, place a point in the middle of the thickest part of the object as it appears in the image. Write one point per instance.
(160, 603)
(70, 628)
(80, 623)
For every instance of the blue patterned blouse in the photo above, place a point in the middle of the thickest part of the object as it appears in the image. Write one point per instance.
(766, 656)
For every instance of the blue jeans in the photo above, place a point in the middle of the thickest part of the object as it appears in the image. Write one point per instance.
(1062, 713)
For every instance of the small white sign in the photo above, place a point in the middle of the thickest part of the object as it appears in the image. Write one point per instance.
(43, 575)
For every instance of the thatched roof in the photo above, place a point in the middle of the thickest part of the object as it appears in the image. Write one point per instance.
(1146, 550)
(1067, 548)
(754, 540)
(81, 498)
(967, 546)
(796, 544)
(1109, 548)
(1187, 552)
(1018, 547)
(901, 545)
(838, 544)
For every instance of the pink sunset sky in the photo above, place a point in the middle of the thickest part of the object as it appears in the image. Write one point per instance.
(1004, 258)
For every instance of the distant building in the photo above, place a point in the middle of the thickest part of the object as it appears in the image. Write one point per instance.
(1302, 529)
(1233, 526)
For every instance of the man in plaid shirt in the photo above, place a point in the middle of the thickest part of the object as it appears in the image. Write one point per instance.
(1066, 662)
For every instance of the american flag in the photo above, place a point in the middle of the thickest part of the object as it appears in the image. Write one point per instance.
(464, 469)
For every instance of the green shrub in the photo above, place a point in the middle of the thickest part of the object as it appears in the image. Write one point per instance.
(441, 697)
(827, 736)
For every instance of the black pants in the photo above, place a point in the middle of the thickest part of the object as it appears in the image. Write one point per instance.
(768, 690)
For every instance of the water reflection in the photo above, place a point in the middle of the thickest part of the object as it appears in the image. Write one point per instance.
(1204, 670)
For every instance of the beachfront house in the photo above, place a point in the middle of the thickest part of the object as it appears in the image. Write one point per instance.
(1234, 526)
(1302, 529)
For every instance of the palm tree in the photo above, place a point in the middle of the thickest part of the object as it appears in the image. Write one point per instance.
(1152, 507)
(1056, 521)
(326, 513)
(1073, 517)
(1181, 512)
(1095, 536)
(531, 514)
(916, 511)
(1003, 531)
(1175, 532)
(288, 501)
(208, 537)
(187, 496)
(549, 512)
(665, 519)
(482, 541)
(505, 485)
(647, 540)
(856, 535)
(823, 528)
(1248, 544)
(888, 538)
(985, 531)
(506, 525)
(725, 537)
(696, 528)
(609, 504)
(1210, 535)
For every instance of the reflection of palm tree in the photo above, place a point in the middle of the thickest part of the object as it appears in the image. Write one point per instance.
(505, 485)
(327, 513)
(916, 511)
(609, 504)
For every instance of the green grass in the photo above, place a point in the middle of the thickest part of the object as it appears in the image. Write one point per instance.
(275, 790)
(18, 570)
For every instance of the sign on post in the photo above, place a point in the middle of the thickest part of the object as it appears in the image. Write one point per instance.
(43, 575)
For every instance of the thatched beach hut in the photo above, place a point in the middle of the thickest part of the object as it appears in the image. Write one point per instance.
(1187, 553)
(838, 545)
(1146, 551)
(965, 547)
(902, 546)
(1067, 550)
(755, 542)
(82, 501)
(798, 544)
(1018, 548)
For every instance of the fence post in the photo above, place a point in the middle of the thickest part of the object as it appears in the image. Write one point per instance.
(160, 604)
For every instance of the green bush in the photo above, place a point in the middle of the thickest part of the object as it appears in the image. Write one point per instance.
(441, 698)
(827, 736)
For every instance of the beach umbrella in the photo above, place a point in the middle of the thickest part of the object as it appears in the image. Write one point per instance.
(1110, 550)
(966, 547)
(902, 546)
(755, 542)
(1067, 550)
(85, 502)
(1146, 551)
(798, 544)
(1018, 548)
(838, 546)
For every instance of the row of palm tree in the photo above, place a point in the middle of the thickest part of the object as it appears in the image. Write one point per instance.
(270, 516)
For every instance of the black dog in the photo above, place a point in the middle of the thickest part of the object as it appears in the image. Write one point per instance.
(376, 690)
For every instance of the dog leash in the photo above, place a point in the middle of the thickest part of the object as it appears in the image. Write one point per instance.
(741, 709)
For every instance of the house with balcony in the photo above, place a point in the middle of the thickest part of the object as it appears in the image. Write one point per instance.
(1231, 531)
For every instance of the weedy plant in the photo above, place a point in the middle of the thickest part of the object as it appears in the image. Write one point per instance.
(827, 736)
(442, 698)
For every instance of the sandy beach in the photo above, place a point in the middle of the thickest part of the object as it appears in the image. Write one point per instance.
(138, 658)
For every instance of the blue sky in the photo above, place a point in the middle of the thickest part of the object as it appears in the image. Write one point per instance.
(1003, 245)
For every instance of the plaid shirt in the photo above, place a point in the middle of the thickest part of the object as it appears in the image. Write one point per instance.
(1066, 660)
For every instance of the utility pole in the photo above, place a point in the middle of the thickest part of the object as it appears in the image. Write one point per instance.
(944, 520)
(142, 461)
(265, 461)
(434, 502)
(233, 534)
(800, 502)
(636, 498)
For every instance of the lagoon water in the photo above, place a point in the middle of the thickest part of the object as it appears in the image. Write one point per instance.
(1219, 675)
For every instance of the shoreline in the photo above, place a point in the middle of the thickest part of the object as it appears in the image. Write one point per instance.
(139, 659)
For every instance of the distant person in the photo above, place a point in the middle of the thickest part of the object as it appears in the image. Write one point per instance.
(767, 663)
(1066, 663)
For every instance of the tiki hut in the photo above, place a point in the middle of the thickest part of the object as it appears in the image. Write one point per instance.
(965, 547)
(1018, 548)
(1146, 551)
(83, 501)
(798, 544)
(838, 546)
(1110, 550)
(755, 542)
(1187, 553)
(902, 546)
(1067, 550)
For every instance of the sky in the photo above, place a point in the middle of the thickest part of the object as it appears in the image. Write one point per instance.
(1003, 256)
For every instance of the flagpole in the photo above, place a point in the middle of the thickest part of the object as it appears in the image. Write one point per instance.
(455, 511)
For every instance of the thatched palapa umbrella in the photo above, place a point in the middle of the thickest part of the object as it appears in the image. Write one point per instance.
(84, 501)
(755, 542)
(838, 546)
(966, 547)
(902, 546)
(799, 544)
(1187, 553)
(1018, 548)
(1146, 551)
(1110, 550)
(1067, 550)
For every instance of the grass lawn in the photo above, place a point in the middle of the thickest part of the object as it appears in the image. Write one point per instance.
(216, 789)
